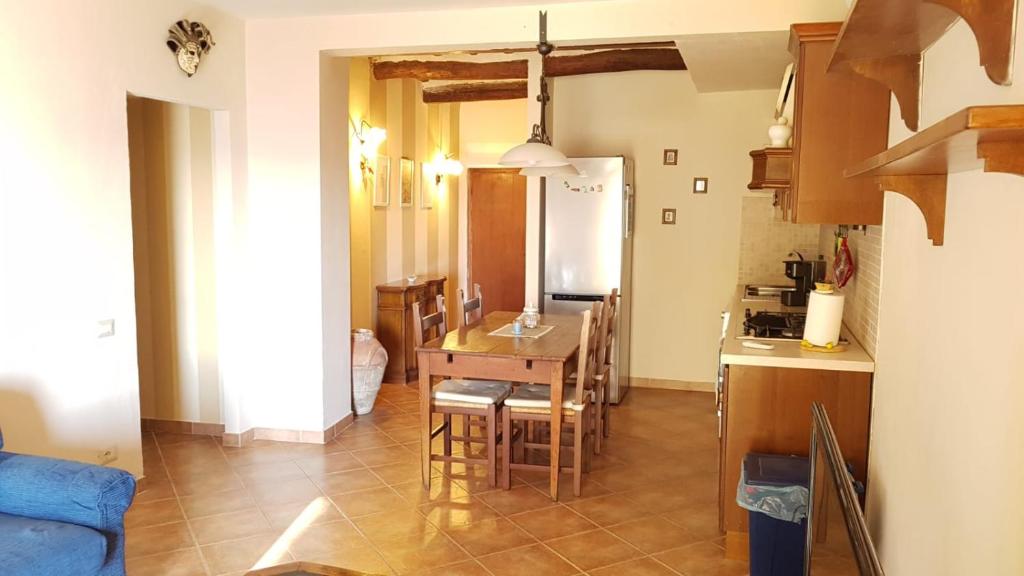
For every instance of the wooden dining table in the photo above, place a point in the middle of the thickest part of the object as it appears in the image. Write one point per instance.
(471, 352)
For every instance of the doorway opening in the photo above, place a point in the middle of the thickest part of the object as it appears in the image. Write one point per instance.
(175, 179)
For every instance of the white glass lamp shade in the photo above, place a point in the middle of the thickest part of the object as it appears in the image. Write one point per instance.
(450, 167)
(566, 170)
(533, 155)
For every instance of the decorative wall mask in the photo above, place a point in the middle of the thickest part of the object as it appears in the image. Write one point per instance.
(189, 41)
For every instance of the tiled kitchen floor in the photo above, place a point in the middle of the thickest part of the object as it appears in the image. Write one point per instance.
(648, 507)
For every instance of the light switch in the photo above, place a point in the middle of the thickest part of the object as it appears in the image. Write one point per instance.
(700, 185)
(105, 328)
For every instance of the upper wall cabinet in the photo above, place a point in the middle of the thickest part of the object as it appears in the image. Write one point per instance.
(883, 40)
(838, 120)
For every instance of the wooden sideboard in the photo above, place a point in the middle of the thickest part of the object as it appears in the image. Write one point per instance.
(394, 321)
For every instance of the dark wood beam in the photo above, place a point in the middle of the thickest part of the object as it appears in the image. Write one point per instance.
(614, 61)
(559, 48)
(475, 92)
(450, 70)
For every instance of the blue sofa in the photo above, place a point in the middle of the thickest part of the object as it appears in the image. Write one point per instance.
(61, 518)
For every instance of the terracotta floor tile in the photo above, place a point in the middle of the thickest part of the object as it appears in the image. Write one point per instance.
(489, 536)
(533, 560)
(701, 520)
(595, 549)
(384, 455)
(457, 511)
(329, 463)
(432, 551)
(262, 473)
(322, 539)
(519, 499)
(285, 491)
(550, 523)
(350, 481)
(364, 559)
(152, 513)
(660, 465)
(608, 510)
(213, 503)
(365, 440)
(230, 526)
(180, 563)
(373, 501)
(302, 513)
(155, 489)
(634, 567)
(702, 559)
(440, 490)
(157, 539)
(246, 554)
(394, 525)
(653, 534)
(467, 568)
(403, 435)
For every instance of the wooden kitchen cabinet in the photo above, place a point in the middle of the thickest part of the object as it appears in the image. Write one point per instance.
(839, 119)
(768, 409)
(395, 324)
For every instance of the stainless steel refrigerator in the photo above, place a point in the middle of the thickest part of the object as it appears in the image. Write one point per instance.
(588, 248)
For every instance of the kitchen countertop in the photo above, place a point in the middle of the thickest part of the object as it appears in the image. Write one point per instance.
(788, 354)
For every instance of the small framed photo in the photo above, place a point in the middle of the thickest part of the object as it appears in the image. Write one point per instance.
(427, 186)
(670, 157)
(408, 167)
(382, 181)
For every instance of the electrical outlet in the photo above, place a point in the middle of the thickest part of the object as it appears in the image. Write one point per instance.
(107, 456)
(668, 216)
(700, 185)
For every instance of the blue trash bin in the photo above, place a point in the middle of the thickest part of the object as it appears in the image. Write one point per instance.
(773, 488)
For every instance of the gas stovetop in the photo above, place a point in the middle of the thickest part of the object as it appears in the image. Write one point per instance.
(772, 326)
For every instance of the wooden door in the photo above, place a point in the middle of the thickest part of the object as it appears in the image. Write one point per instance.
(497, 236)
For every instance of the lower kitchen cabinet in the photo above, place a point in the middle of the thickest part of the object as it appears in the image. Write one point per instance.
(768, 409)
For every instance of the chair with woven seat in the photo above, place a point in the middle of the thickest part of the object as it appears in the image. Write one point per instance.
(602, 368)
(532, 403)
(471, 310)
(466, 398)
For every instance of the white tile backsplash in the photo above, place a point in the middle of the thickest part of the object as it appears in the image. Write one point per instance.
(765, 243)
(860, 313)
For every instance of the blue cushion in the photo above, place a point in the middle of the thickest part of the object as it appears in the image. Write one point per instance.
(30, 547)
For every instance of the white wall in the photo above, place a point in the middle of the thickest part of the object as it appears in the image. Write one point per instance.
(65, 221)
(947, 437)
(683, 275)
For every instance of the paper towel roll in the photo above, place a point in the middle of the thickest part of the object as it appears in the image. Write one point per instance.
(824, 318)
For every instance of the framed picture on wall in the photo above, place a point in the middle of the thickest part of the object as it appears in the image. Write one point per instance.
(408, 167)
(426, 184)
(382, 181)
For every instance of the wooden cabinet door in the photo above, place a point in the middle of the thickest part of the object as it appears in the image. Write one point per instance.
(497, 237)
(839, 119)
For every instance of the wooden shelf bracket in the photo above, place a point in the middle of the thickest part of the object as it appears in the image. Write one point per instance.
(992, 22)
(1002, 156)
(883, 40)
(929, 193)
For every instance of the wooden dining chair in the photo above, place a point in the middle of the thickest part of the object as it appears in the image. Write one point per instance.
(465, 398)
(606, 356)
(532, 403)
(471, 310)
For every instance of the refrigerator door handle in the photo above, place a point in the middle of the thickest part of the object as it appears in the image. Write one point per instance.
(577, 297)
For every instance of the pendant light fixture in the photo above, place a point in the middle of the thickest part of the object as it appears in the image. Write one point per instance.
(537, 152)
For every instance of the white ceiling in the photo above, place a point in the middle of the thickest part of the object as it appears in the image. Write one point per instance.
(742, 61)
(288, 8)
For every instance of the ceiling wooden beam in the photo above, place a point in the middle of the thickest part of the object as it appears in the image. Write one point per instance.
(450, 70)
(614, 61)
(560, 48)
(475, 92)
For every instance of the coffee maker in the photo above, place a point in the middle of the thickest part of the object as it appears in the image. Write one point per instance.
(805, 273)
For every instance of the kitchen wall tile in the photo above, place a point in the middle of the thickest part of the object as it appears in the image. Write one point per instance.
(766, 242)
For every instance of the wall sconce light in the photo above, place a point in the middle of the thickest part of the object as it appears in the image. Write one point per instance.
(445, 165)
(370, 138)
